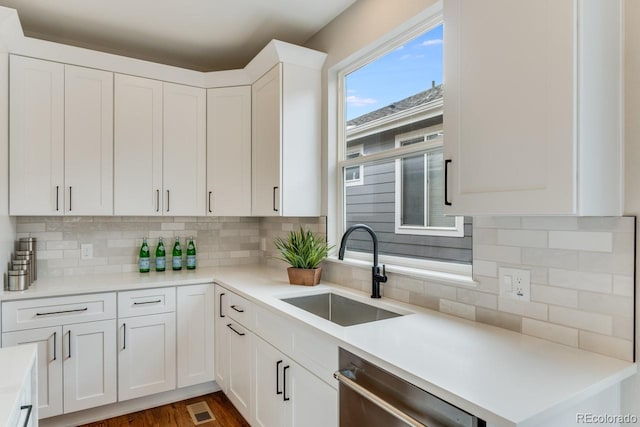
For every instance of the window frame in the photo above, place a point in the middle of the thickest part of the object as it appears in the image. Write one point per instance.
(431, 145)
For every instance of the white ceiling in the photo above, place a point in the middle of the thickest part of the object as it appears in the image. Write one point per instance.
(205, 35)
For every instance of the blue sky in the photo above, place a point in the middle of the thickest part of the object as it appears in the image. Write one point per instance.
(407, 70)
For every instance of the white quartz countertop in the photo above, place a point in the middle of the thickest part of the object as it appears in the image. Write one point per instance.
(15, 366)
(507, 379)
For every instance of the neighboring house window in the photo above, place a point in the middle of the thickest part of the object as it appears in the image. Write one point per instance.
(354, 175)
(391, 134)
(419, 191)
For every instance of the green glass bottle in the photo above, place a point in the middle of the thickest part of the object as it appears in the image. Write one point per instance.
(176, 256)
(161, 259)
(145, 257)
(191, 255)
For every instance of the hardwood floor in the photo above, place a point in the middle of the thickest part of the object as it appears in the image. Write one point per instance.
(176, 414)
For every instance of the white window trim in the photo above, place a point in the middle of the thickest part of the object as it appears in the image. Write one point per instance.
(458, 229)
(351, 150)
(421, 22)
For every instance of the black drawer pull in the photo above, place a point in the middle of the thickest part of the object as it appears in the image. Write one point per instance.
(55, 346)
(284, 383)
(234, 330)
(148, 302)
(278, 391)
(220, 305)
(239, 310)
(446, 182)
(62, 312)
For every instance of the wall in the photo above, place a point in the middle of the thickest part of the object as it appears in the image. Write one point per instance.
(631, 387)
(116, 241)
(7, 224)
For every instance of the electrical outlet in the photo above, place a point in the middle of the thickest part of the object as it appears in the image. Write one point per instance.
(515, 283)
(86, 251)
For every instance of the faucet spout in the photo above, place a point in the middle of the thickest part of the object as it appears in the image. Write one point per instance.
(376, 276)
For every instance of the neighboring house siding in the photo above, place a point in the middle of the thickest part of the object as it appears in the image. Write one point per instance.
(373, 203)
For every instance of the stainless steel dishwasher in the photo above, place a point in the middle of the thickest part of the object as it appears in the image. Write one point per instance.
(373, 397)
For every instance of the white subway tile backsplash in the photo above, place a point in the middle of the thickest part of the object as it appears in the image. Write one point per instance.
(454, 308)
(478, 299)
(550, 258)
(523, 238)
(485, 268)
(549, 223)
(596, 282)
(606, 304)
(623, 285)
(62, 244)
(551, 332)
(507, 254)
(554, 295)
(607, 345)
(534, 310)
(595, 241)
(594, 322)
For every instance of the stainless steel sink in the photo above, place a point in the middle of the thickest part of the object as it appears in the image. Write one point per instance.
(340, 310)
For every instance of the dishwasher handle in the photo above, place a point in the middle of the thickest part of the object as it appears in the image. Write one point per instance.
(376, 400)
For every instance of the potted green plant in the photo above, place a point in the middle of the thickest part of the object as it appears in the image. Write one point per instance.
(304, 251)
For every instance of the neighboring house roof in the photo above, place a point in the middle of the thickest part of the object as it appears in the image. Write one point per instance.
(404, 104)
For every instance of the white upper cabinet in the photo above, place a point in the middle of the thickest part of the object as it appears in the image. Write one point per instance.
(88, 141)
(229, 151)
(286, 142)
(137, 146)
(184, 149)
(532, 107)
(36, 154)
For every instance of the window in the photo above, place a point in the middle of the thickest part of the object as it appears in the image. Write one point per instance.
(353, 174)
(391, 162)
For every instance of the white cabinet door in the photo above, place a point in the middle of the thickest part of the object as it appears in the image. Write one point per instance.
(36, 148)
(88, 141)
(146, 355)
(89, 351)
(49, 365)
(137, 146)
(531, 124)
(184, 151)
(195, 334)
(221, 347)
(312, 402)
(229, 151)
(267, 133)
(269, 393)
(240, 373)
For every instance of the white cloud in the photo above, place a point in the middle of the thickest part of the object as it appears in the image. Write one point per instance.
(356, 101)
(431, 42)
(405, 56)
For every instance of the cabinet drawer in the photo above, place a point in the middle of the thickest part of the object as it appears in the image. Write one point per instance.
(40, 313)
(234, 306)
(146, 301)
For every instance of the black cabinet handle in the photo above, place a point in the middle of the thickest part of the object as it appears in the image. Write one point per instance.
(29, 408)
(210, 201)
(57, 197)
(62, 312)
(157, 200)
(284, 383)
(274, 199)
(234, 330)
(55, 346)
(69, 345)
(446, 182)
(220, 305)
(124, 336)
(70, 190)
(239, 310)
(148, 302)
(167, 200)
(278, 377)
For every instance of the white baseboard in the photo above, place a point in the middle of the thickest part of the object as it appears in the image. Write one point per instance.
(129, 406)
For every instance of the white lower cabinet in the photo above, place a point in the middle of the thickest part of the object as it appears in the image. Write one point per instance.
(146, 355)
(195, 334)
(49, 365)
(286, 394)
(89, 365)
(267, 386)
(239, 343)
